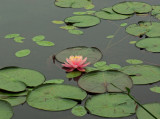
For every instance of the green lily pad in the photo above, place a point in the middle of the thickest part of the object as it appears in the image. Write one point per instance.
(73, 74)
(58, 22)
(153, 108)
(100, 64)
(53, 97)
(132, 42)
(73, 3)
(108, 13)
(79, 111)
(124, 24)
(90, 69)
(6, 111)
(134, 61)
(156, 11)
(4, 94)
(12, 35)
(19, 39)
(110, 36)
(158, 16)
(101, 82)
(142, 74)
(68, 27)
(75, 32)
(82, 21)
(30, 77)
(83, 13)
(155, 89)
(93, 54)
(132, 7)
(14, 101)
(22, 53)
(45, 43)
(150, 44)
(114, 66)
(10, 84)
(54, 81)
(90, 6)
(38, 38)
(150, 29)
(111, 105)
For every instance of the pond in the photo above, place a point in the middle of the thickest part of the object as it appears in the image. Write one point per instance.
(31, 18)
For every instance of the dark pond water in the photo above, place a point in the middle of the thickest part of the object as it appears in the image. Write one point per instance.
(33, 17)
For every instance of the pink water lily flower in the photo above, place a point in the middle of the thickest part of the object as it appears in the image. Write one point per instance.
(75, 63)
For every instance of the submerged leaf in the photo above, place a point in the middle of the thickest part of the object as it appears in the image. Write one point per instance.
(155, 89)
(110, 36)
(124, 24)
(22, 53)
(132, 42)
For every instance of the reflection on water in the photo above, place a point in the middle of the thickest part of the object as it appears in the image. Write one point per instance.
(33, 17)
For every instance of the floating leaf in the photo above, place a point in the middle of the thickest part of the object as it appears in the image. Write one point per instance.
(108, 13)
(30, 77)
(153, 108)
(134, 61)
(132, 7)
(101, 82)
(90, 12)
(53, 97)
(110, 36)
(103, 68)
(82, 21)
(45, 43)
(124, 24)
(58, 22)
(142, 74)
(10, 84)
(6, 111)
(155, 89)
(79, 111)
(11, 35)
(150, 29)
(4, 94)
(76, 32)
(14, 101)
(156, 11)
(100, 64)
(132, 42)
(90, 6)
(22, 53)
(68, 27)
(79, 13)
(90, 69)
(38, 38)
(150, 44)
(111, 105)
(73, 74)
(73, 3)
(93, 54)
(114, 66)
(19, 39)
(54, 81)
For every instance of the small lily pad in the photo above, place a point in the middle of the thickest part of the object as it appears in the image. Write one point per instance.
(111, 105)
(150, 44)
(11, 35)
(124, 24)
(90, 69)
(73, 74)
(100, 64)
(155, 89)
(58, 22)
(110, 36)
(134, 61)
(54, 97)
(45, 43)
(142, 74)
(68, 27)
(114, 66)
(105, 81)
(38, 38)
(153, 108)
(19, 39)
(23, 53)
(6, 111)
(79, 111)
(76, 32)
(130, 7)
(132, 42)
(93, 54)
(14, 101)
(82, 21)
(90, 6)
(54, 81)
(156, 11)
